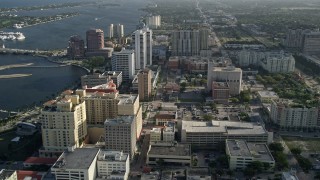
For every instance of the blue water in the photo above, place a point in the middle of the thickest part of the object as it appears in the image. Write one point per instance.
(55, 35)
(19, 93)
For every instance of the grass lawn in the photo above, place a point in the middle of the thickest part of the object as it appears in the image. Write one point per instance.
(18, 151)
(308, 145)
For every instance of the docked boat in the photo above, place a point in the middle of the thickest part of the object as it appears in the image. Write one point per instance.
(17, 26)
(11, 36)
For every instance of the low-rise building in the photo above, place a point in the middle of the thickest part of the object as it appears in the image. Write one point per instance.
(96, 79)
(241, 153)
(76, 164)
(212, 133)
(169, 153)
(164, 134)
(220, 92)
(165, 116)
(267, 96)
(198, 174)
(113, 165)
(34, 161)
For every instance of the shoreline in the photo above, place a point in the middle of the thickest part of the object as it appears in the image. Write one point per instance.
(10, 76)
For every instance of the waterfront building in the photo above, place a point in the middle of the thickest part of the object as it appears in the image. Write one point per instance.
(311, 43)
(153, 22)
(113, 165)
(95, 40)
(96, 79)
(124, 61)
(76, 47)
(230, 75)
(212, 133)
(288, 114)
(144, 84)
(121, 134)
(170, 153)
(111, 31)
(119, 31)
(242, 153)
(64, 124)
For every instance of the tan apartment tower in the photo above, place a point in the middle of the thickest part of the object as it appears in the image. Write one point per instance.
(64, 124)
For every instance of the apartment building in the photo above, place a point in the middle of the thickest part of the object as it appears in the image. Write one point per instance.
(144, 84)
(120, 134)
(64, 124)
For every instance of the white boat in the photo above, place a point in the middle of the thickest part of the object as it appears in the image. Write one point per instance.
(17, 26)
(11, 36)
(20, 36)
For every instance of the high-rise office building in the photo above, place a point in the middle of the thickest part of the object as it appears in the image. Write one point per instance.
(311, 43)
(124, 61)
(139, 42)
(153, 21)
(294, 38)
(76, 47)
(120, 134)
(111, 31)
(142, 43)
(63, 124)
(118, 31)
(95, 40)
(204, 38)
(185, 43)
(144, 84)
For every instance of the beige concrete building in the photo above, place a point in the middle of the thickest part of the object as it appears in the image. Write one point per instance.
(170, 153)
(63, 124)
(220, 92)
(113, 165)
(144, 84)
(288, 114)
(267, 96)
(120, 134)
(230, 75)
(241, 154)
(76, 164)
(164, 134)
(104, 102)
(96, 79)
(212, 133)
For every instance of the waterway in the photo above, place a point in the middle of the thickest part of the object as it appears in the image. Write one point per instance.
(45, 83)
(55, 35)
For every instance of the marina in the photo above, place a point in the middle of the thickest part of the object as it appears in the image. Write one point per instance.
(11, 36)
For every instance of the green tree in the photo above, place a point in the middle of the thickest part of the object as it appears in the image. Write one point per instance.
(296, 151)
(276, 147)
(207, 117)
(183, 86)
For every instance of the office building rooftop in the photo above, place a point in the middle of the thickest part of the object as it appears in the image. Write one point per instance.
(80, 158)
(172, 150)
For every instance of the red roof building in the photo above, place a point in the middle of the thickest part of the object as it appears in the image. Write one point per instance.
(31, 161)
(31, 174)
